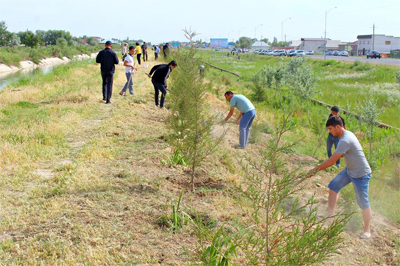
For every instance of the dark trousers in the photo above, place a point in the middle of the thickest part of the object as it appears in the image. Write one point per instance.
(157, 88)
(155, 56)
(138, 58)
(145, 57)
(107, 85)
(331, 140)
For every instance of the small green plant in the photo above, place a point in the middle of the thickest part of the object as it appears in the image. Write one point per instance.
(221, 249)
(177, 218)
(176, 158)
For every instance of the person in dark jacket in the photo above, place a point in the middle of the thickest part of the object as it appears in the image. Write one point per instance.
(166, 50)
(331, 140)
(159, 80)
(144, 52)
(107, 60)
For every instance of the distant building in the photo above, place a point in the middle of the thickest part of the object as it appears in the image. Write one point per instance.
(379, 42)
(295, 44)
(350, 47)
(259, 45)
(316, 44)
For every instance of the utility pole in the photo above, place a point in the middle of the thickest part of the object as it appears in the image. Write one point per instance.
(373, 37)
(326, 14)
(282, 30)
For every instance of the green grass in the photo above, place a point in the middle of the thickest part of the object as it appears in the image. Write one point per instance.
(340, 83)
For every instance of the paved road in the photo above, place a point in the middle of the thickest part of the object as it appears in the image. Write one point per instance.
(382, 61)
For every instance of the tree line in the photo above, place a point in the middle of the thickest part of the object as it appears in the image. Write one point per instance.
(40, 38)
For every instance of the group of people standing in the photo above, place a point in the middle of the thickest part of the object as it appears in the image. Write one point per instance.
(139, 50)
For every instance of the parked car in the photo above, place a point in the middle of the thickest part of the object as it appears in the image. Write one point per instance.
(335, 53)
(374, 54)
(291, 53)
(329, 53)
(344, 53)
(279, 53)
(271, 52)
(300, 53)
(309, 52)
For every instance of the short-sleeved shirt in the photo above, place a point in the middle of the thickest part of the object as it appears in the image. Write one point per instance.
(242, 103)
(138, 50)
(356, 163)
(130, 61)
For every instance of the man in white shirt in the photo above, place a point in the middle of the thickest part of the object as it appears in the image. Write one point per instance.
(129, 67)
(357, 171)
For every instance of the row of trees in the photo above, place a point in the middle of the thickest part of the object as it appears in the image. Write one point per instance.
(40, 38)
(245, 42)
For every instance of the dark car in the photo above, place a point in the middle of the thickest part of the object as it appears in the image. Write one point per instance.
(374, 54)
(335, 53)
(291, 53)
(329, 53)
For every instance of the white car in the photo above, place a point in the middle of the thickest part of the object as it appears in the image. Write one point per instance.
(300, 53)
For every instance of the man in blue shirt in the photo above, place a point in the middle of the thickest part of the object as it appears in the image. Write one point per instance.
(245, 119)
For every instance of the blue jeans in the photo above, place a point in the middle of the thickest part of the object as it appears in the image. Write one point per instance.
(244, 127)
(329, 143)
(360, 184)
(157, 88)
(130, 81)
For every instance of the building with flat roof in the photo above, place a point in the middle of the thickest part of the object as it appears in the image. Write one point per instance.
(318, 44)
(378, 42)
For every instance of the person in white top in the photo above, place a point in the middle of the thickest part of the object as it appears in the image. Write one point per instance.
(129, 67)
(124, 49)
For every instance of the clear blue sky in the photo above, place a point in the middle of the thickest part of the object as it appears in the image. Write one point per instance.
(159, 21)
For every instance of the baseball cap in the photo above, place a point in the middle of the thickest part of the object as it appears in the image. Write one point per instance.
(108, 42)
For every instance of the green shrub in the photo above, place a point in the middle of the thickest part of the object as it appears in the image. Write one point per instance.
(35, 56)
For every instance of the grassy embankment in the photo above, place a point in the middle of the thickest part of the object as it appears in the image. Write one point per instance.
(341, 84)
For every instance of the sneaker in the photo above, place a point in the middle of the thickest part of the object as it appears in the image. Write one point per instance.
(121, 93)
(108, 102)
